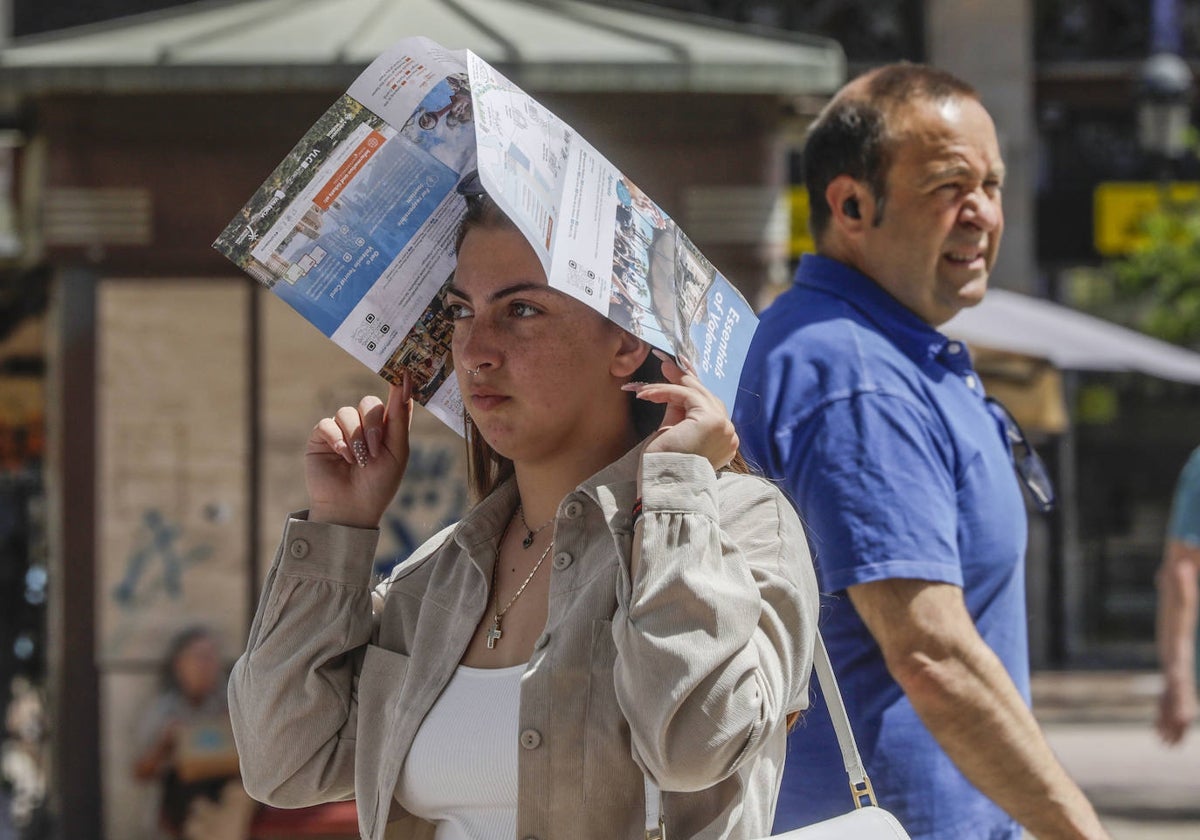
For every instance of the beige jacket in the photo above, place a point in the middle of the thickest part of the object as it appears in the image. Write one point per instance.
(685, 673)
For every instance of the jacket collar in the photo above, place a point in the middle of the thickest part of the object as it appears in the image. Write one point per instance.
(613, 489)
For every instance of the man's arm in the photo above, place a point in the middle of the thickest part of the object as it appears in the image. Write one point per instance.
(1176, 620)
(965, 697)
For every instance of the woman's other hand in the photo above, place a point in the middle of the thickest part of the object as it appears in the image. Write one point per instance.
(696, 422)
(354, 461)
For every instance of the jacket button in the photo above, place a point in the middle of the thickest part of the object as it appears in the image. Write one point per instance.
(562, 560)
(298, 549)
(573, 509)
(531, 739)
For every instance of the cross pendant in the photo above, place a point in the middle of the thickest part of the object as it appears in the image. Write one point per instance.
(494, 633)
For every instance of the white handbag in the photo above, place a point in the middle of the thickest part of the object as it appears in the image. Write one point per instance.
(866, 822)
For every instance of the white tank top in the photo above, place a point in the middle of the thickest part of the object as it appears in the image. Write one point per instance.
(461, 772)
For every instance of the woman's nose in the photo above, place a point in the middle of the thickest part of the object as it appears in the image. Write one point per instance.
(474, 344)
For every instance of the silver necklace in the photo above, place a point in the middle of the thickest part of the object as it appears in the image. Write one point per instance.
(530, 533)
(494, 632)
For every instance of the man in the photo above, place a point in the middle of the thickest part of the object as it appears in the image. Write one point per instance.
(1177, 607)
(878, 426)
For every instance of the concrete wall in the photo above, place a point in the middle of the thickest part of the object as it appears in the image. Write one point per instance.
(990, 45)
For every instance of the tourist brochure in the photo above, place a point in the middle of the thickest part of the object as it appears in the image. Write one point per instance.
(356, 228)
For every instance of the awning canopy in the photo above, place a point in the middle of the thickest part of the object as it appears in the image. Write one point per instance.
(1067, 338)
(545, 45)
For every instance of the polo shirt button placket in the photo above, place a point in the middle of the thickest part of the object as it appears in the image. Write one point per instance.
(298, 548)
(531, 739)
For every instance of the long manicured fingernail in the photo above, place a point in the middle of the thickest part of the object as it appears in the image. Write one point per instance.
(633, 386)
(360, 452)
(343, 449)
(661, 356)
(685, 363)
(374, 436)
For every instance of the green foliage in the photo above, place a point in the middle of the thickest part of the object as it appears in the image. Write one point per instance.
(1157, 286)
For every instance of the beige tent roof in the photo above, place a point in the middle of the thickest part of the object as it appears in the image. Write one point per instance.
(1067, 338)
(547, 45)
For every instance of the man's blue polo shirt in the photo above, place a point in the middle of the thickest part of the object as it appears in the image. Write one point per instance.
(877, 426)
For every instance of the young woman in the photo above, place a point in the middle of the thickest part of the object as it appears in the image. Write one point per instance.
(618, 604)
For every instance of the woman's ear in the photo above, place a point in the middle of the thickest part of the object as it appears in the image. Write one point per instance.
(631, 353)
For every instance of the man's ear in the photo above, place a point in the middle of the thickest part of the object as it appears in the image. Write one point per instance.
(631, 353)
(850, 204)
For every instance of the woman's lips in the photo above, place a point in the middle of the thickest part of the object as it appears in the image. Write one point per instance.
(485, 400)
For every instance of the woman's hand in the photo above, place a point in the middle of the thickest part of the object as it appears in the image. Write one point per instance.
(695, 423)
(355, 460)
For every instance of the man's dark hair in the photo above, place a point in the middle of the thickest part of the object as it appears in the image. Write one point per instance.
(851, 135)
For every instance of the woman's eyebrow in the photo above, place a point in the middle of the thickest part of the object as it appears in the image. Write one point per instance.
(507, 291)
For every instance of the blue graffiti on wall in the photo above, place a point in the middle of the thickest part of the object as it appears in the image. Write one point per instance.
(431, 497)
(157, 563)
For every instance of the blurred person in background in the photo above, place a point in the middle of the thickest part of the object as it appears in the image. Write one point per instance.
(184, 744)
(1177, 607)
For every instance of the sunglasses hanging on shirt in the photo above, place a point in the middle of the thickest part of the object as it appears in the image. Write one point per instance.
(1029, 465)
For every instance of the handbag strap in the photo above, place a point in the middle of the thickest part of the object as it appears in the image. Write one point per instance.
(860, 783)
(656, 824)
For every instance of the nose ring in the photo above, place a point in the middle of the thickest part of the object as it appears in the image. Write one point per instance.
(474, 372)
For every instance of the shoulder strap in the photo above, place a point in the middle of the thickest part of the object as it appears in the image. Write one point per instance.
(860, 784)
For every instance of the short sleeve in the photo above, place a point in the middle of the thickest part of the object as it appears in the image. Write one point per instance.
(1185, 508)
(873, 477)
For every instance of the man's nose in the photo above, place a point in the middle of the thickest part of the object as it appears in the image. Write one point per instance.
(983, 210)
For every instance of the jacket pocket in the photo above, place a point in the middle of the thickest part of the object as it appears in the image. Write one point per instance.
(379, 682)
(612, 783)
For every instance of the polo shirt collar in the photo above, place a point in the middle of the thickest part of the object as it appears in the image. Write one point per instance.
(912, 336)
